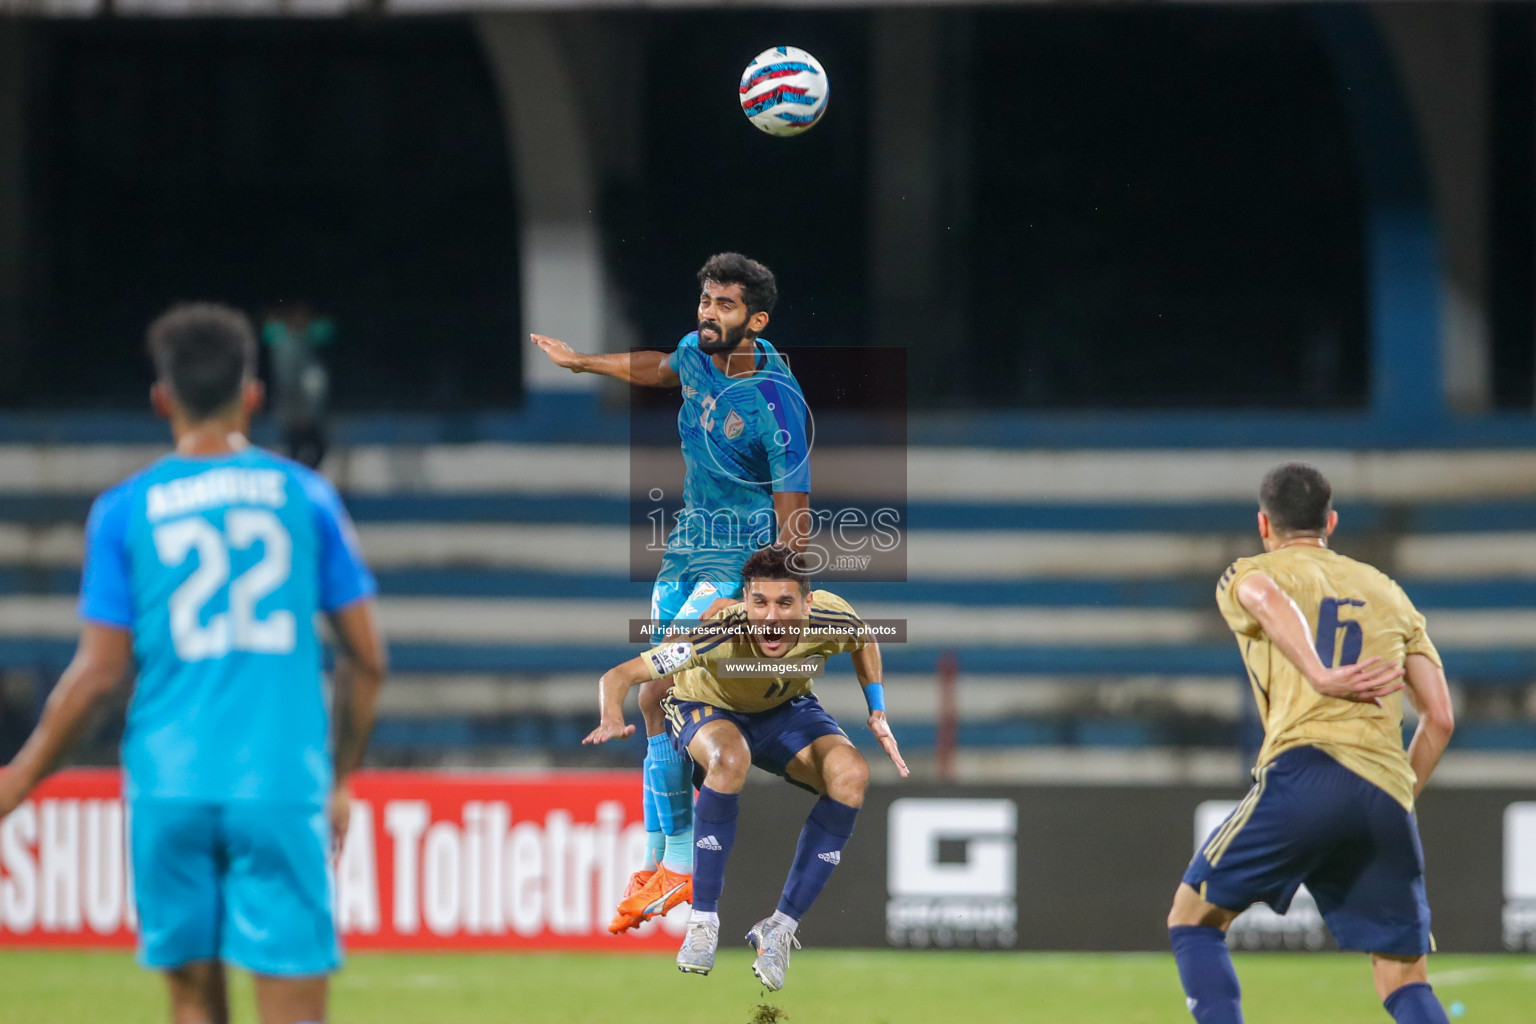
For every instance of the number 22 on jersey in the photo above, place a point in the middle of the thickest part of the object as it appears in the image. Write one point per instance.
(237, 629)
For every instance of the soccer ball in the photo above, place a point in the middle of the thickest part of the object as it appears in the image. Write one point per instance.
(784, 90)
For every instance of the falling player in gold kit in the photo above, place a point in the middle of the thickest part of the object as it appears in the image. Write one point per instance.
(728, 720)
(1331, 645)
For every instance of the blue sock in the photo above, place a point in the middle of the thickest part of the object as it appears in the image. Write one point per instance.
(714, 822)
(1416, 1004)
(826, 832)
(655, 849)
(655, 838)
(1205, 968)
(670, 777)
(678, 855)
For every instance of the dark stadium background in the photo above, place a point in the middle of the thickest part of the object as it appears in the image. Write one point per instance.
(1127, 193)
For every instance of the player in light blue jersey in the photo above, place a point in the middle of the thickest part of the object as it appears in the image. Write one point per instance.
(206, 571)
(745, 432)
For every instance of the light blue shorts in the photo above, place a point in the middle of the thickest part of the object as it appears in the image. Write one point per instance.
(245, 882)
(672, 600)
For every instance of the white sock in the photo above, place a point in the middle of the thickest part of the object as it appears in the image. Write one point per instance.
(705, 915)
(784, 920)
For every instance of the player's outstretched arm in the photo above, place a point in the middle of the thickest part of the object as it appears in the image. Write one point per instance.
(1430, 696)
(100, 663)
(867, 665)
(361, 664)
(1364, 682)
(612, 688)
(647, 369)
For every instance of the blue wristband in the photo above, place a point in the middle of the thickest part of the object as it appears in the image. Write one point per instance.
(874, 696)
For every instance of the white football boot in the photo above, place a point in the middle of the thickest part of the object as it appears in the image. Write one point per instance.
(772, 941)
(698, 953)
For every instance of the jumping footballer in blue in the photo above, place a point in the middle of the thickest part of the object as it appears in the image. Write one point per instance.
(205, 571)
(744, 428)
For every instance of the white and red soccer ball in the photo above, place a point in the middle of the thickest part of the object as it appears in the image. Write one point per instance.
(784, 90)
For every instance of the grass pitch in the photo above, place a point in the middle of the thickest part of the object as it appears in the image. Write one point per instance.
(824, 987)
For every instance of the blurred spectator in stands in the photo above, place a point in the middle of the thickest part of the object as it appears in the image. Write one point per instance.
(294, 335)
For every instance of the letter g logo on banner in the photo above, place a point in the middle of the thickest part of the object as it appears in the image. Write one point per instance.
(920, 831)
(952, 872)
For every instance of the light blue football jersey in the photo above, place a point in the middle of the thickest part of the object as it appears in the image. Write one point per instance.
(743, 439)
(218, 566)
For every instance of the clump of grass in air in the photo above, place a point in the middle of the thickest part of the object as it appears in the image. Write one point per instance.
(765, 1014)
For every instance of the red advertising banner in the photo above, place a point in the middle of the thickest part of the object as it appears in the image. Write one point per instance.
(431, 861)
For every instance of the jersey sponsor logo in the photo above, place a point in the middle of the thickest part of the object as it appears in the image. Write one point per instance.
(709, 843)
(952, 873)
(734, 425)
(689, 391)
(671, 658)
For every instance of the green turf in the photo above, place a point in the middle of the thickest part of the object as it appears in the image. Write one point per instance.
(825, 987)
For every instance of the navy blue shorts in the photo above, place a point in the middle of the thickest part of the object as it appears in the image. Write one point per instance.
(1308, 819)
(774, 736)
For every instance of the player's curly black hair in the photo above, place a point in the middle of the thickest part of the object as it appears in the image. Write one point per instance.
(203, 351)
(759, 289)
(775, 562)
(1297, 498)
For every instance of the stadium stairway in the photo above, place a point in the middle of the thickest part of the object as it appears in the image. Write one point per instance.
(1073, 588)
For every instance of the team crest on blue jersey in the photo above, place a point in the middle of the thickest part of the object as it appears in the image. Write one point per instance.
(733, 425)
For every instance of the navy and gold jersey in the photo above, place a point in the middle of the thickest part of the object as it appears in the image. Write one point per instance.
(696, 657)
(1356, 612)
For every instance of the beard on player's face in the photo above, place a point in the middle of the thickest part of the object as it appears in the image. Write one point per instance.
(723, 339)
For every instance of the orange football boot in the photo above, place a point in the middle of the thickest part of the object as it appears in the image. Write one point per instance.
(660, 893)
(623, 922)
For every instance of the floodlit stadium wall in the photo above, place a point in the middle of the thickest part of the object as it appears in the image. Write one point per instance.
(521, 862)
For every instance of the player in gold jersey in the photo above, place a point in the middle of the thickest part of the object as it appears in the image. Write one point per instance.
(1332, 646)
(728, 719)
